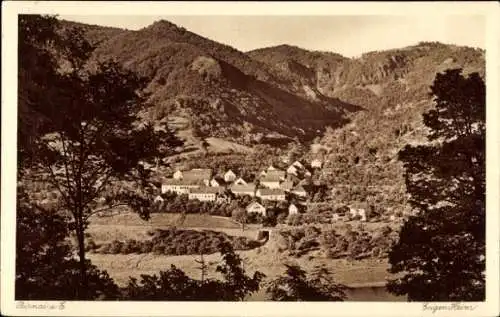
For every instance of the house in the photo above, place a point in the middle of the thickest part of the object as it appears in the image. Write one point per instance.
(285, 159)
(256, 208)
(240, 190)
(361, 212)
(273, 194)
(316, 163)
(292, 209)
(217, 182)
(240, 181)
(178, 174)
(299, 191)
(270, 181)
(286, 185)
(271, 168)
(298, 165)
(292, 178)
(179, 186)
(229, 176)
(307, 173)
(158, 199)
(276, 173)
(292, 170)
(205, 193)
(198, 174)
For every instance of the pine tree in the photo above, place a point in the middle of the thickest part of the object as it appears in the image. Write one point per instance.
(441, 249)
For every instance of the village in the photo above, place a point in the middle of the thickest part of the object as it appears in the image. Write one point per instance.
(270, 185)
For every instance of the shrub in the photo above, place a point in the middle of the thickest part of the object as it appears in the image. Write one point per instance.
(146, 247)
(281, 218)
(90, 245)
(158, 249)
(116, 247)
(294, 220)
(181, 250)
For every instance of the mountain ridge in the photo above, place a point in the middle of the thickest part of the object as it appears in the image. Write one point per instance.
(224, 92)
(193, 75)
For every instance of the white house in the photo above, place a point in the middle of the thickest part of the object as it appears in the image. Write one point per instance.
(257, 208)
(292, 170)
(276, 173)
(240, 190)
(292, 209)
(299, 191)
(215, 182)
(286, 186)
(158, 199)
(205, 193)
(316, 163)
(177, 174)
(271, 194)
(229, 176)
(179, 186)
(358, 212)
(270, 182)
(298, 165)
(240, 181)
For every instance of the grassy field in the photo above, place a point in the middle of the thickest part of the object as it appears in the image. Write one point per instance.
(266, 259)
(129, 226)
(217, 145)
(166, 220)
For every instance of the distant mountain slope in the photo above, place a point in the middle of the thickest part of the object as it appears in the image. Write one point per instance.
(222, 91)
(392, 87)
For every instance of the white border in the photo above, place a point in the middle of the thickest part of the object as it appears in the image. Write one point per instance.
(9, 126)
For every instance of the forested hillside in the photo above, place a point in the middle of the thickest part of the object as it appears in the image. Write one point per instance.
(392, 87)
(220, 90)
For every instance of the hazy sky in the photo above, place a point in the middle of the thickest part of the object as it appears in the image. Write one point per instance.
(346, 35)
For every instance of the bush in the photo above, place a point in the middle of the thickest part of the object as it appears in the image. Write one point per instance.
(269, 221)
(116, 247)
(90, 245)
(146, 247)
(179, 242)
(294, 220)
(158, 249)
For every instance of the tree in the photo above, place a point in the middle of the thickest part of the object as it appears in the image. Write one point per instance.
(93, 136)
(294, 285)
(45, 267)
(236, 285)
(174, 284)
(441, 249)
(240, 215)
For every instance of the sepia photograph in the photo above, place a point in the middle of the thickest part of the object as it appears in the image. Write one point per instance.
(248, 157)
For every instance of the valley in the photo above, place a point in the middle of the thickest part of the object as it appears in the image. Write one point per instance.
(287, 155)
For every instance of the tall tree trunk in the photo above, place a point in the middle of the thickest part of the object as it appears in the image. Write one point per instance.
(83, 289)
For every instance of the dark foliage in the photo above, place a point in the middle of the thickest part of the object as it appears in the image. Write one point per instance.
(45, 266)
(441, 249)
(174, 284)
(91, 134)
(178, 242)
(295, 285)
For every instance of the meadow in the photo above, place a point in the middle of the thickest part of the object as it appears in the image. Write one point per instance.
(365, 273)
